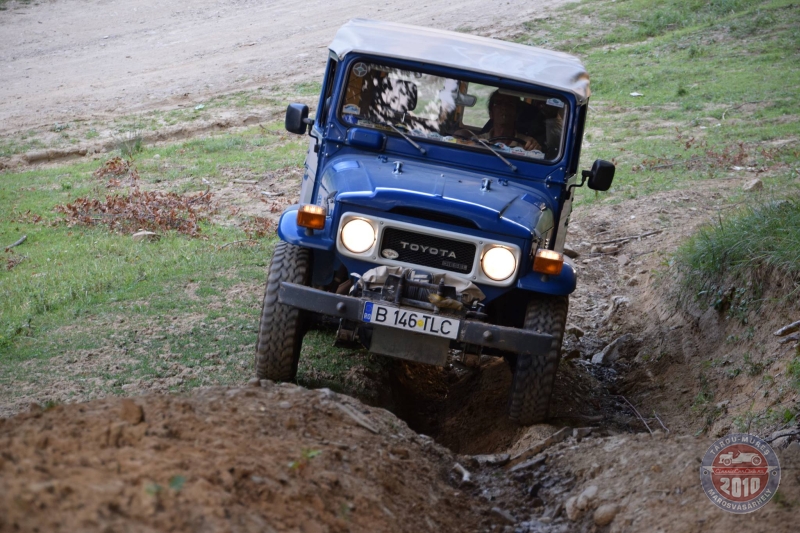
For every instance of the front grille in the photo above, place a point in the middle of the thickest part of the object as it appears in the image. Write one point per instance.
(429, 251)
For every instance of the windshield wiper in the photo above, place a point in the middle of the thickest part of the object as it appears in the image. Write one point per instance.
(487, 145)
(406, 137)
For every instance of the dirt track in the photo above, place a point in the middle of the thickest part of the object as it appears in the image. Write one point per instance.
(71, 60)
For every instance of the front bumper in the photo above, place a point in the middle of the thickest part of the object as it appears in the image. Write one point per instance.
(474, 332)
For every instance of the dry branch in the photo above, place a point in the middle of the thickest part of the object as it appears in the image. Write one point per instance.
(630, 238)
(660, 422)
(235, 242)
(637, 414)
(358, 418)
(20, 241)
(786, 330)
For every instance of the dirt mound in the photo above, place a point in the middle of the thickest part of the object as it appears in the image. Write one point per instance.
(285, 458)
(280, 458)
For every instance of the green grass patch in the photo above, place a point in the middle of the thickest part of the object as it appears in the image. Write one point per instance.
(717, 83)
(734, 258)
(94, 308)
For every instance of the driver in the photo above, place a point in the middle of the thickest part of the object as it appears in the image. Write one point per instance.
(503, 109)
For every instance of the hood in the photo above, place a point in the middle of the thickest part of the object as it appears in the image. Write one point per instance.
(504, 207)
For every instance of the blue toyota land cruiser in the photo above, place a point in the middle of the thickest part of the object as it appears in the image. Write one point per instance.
(434, 206)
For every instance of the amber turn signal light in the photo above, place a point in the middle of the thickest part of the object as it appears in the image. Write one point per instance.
(548, 262)
(311, 216)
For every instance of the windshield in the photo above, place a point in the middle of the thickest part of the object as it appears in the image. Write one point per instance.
(519, 124)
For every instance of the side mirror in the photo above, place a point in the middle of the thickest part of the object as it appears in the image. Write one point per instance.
(601, 175)
(297, 118)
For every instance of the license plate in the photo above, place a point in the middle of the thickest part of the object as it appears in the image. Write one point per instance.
(415, 321)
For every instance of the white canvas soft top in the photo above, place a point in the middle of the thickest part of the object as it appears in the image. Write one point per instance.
(520, 62)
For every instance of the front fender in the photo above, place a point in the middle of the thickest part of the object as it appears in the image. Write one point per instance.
(560, 285)
(289, 231)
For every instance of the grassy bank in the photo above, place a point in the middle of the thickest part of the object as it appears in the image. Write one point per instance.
(685, 90)
(738, 258)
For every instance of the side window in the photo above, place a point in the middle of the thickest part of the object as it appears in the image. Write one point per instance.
(327, 94)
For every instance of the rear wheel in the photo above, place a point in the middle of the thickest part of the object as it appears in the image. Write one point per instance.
(534, 375)
(282, 327)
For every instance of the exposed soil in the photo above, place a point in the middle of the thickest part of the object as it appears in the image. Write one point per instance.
(284, 458)
(280, 458)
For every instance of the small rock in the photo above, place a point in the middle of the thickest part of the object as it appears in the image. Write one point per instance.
(495, 459)
(157, 156)
(587, 497)
(285, 405)
(571, 509)
(782, 433)
(575, 330)
(657, 469)
(266, 383)
(581, 433)
(610, 249)
(605, 514)
(532, 463)
(130, 412)
(551, 512)
(595, 249)
(623, 260)
(611, 352)
(753, 185)
(633, 282)
(570, 252)
(254, 382)
(504, 515)
(400, 452)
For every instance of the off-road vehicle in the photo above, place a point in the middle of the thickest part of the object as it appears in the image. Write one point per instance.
(434, 205)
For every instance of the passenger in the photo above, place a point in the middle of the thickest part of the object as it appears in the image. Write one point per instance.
(504, 110)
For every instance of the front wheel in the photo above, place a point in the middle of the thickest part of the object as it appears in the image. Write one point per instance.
(282, 327)
(534, 375)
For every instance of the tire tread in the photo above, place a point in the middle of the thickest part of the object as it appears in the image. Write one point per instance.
(534, 375)
(281, 327)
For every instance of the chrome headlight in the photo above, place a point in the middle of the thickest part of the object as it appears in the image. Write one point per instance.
(498, 263)
(358, 235)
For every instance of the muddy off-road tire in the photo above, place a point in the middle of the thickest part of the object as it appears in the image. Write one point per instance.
(532, 384)
(281, 329)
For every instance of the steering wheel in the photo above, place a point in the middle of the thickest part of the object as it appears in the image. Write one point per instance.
(508, 138)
